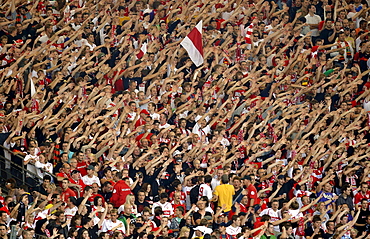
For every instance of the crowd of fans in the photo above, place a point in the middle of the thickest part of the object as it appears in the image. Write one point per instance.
(124, 137)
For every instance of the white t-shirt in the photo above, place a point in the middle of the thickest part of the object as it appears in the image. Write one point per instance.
(108, 225)
(233, 231)
(89, 181)
(315, 19)
(31, 167)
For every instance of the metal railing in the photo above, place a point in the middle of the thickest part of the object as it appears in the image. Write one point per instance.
(22, 171)
(18, 172)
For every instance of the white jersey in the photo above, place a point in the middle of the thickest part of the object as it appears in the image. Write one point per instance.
(275, 216)
(233, 231)
(205, 190)
(70, 212)
(166, 208)
(186, 190)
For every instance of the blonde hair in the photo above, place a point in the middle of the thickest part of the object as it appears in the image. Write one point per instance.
(128, 199)
(183, 230)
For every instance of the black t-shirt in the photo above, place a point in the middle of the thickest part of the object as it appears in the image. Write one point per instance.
(325, 34)
(141, 205)
(41, 190)
(309, 232)
(93, 232)
(362, 219)
(328, 235)
(197, 215)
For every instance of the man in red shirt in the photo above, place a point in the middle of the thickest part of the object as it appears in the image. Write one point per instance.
(120, 191)
(64, 173)
(67, 192)
(81, 164)
(251, 191)
(363, 193)
(76, 181)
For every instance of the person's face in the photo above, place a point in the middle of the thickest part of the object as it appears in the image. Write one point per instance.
(338, 25)
(281, 181)
(4, 217)
(114, 217)
(201, 204)
(290, 231)
(65, 158)
(220, 173)
(313, 9)
(73, 163)
(364, 188)
(65, 184)
(237, 183)
(62, 218)
(146, 216)
(3, 231)
(270, 229)
(128, 209)
(237, 222)
(344, 220)
(85, 234)
(46, 183)
(275, 205)
(364, 205)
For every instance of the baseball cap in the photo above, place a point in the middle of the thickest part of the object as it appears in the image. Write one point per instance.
(177, 152)
(90, 167)
(74, 172)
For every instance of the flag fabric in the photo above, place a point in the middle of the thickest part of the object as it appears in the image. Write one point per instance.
(33, 89)
(193, 44)
(143, 50)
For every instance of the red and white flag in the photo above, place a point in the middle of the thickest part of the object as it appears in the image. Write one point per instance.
(143, 50)
(193, 44)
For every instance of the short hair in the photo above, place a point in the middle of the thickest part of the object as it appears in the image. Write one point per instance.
(207, 179)
(163, 195)
(316, 218)
(234, 218)
(181, 209)
(46, 177)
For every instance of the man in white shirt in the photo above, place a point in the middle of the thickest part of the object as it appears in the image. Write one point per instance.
(90, 178)
(202, 129)
(273, 212)
(234, 229)
(71, 208)
(313, 20)
(113, 224)
(164, 204)
(152, 111)
(205, 188)
(217, 179)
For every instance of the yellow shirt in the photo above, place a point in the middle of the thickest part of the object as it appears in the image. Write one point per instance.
(225, 193)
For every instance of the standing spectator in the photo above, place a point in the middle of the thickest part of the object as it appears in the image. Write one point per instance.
(224, 193)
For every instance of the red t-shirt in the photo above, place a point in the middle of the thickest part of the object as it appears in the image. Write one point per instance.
(251, 194)
(68, 193)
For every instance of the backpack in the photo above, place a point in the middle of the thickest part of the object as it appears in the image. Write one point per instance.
(194, 194)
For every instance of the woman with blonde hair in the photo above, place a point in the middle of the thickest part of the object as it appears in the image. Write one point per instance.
(184, 232)
(130, 200)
